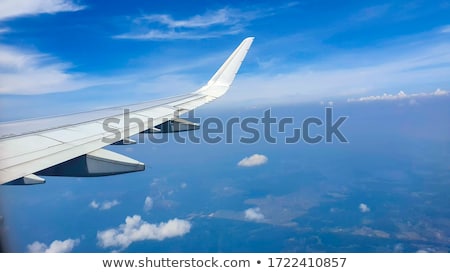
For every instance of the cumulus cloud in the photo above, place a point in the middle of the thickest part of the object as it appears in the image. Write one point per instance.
(135, 229)
(148, 203)
(399, 96)
(94, 205)
(55, 247)
(105, 205)
(109, 204)
(13, 8)
(254, 160)
(364, 208)
(254, 214)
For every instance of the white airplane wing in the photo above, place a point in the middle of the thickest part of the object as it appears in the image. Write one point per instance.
(72, 145)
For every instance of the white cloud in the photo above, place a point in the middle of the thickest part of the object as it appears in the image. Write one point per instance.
(148, 203)
(224, 16)
(105, 205)
(17, 8)
(221, 22)
(183, 185)
(94, 205)
(176, 35)
(254, 160)
(254, 214)
(135, 229)
(364, 208)
(23, 72)
(55, 247)
(399, 96)
(109, 204)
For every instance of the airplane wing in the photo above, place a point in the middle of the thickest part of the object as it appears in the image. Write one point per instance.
(72, 145)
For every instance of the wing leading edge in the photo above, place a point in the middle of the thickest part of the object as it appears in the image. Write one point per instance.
(72, 145)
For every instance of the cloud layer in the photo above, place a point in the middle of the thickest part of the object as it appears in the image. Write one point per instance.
(135, 229)
(399, 96)
(55, 247)
(254, 160)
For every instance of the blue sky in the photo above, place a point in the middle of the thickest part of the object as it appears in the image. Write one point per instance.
(77, 55)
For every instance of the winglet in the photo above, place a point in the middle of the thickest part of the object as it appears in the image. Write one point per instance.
(223, 78)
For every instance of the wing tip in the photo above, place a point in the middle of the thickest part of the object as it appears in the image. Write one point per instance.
(221, 81)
